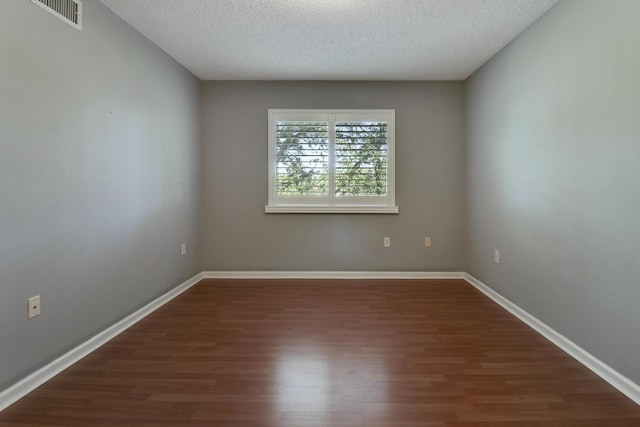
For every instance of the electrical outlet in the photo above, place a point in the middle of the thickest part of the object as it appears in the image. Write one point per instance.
(387, 242)
(183, 249)
(427, 242)
(496, 256)
(33, 306)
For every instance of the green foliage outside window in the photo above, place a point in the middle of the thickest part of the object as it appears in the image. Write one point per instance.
(360, 156)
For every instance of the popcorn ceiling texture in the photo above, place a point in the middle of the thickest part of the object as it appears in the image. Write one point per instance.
(330, 39)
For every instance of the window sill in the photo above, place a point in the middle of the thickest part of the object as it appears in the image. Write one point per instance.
(331, 209)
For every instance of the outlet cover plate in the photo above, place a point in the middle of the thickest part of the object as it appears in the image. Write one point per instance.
(33, 306)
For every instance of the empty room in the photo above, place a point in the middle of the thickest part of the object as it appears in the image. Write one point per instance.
(319, 213)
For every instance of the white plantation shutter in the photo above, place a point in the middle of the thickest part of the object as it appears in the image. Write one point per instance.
(302, 157)
(331, 161)
(361, 158)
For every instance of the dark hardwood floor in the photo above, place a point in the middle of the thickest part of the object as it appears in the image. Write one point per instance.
(281, 353)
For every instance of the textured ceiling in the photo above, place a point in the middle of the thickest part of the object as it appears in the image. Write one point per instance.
(331, 39)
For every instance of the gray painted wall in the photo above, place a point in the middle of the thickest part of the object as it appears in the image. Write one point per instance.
(553, 176)
(238, 235)
(99, 178)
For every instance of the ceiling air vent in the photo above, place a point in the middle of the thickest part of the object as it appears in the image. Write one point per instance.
(70, 11)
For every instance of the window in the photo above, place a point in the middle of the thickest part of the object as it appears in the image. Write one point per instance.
(331, 161)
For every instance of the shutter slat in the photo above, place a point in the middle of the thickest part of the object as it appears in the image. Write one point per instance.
(302, 153)
(361, 158)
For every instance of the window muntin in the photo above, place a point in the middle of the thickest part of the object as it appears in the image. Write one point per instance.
(331, 161)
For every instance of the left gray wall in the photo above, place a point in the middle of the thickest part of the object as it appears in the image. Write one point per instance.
(99, 178)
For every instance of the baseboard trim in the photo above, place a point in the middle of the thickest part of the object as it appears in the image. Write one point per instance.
(604, 371)
(42, 375)
(39, 377)
(332, 275)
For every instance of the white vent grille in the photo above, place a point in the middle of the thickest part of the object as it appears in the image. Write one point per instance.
(70, 11)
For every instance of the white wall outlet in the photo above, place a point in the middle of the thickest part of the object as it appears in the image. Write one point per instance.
(33, 306)
(427, 242)
(387, 242)
(496, 256)
(183, 249)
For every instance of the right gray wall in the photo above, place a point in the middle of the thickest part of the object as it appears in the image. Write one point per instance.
(553, 131)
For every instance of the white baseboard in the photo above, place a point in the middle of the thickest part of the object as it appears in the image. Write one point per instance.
(331, 275)
(604, 371)
(39, 377)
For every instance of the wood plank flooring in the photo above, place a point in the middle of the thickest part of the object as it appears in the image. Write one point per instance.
(431, 353)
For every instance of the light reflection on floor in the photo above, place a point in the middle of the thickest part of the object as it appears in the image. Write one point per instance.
(310, 380)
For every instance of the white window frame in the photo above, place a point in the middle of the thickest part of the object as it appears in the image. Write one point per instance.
(331, 203)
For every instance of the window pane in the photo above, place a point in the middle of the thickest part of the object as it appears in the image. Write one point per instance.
(302, 158)
(361, 158)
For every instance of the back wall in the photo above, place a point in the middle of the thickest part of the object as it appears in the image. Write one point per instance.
(430, 184)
